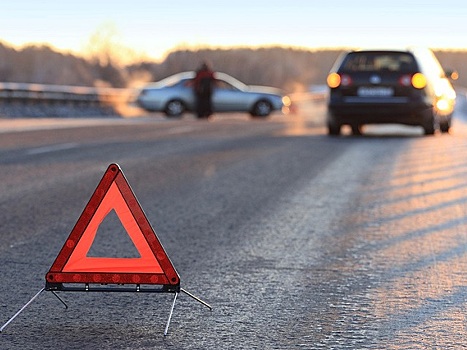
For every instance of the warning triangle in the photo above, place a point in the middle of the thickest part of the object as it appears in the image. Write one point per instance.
(74, 265)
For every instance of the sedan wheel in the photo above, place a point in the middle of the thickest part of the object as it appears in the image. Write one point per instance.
(261, 109)
(174, 108)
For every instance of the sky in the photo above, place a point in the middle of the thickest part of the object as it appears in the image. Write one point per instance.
(156, 27)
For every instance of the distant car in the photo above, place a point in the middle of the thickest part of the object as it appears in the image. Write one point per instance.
(174, 96)
(389, 86)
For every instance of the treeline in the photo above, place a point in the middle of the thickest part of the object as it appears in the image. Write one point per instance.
(43, 65)
(289, 68)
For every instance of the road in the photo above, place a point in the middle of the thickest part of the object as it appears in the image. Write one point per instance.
(298, 240)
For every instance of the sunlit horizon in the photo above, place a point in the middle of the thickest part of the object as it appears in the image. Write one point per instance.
(134, 56)
(150, 30)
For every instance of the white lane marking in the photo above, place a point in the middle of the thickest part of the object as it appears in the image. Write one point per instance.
(52, 148)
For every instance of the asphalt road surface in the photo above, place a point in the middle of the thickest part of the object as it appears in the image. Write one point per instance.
(297, 240)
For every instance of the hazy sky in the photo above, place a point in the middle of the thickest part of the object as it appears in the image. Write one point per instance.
(156, 26)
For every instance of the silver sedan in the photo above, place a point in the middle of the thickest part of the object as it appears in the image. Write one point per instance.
(174, 96)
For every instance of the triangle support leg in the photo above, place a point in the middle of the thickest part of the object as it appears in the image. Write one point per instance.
(21, 310)
(170, 315)
(61, 300)
(173, 306)
(196, 298)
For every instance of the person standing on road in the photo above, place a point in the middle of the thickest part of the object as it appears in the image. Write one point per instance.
(203, 89)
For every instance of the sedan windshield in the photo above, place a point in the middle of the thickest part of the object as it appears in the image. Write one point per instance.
(172, 80)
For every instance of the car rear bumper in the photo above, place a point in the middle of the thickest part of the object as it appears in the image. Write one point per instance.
(378, 111)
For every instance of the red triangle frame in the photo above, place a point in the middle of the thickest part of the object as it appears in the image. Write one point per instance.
(72, 265)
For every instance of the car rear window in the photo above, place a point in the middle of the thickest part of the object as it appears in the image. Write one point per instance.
(379, 61)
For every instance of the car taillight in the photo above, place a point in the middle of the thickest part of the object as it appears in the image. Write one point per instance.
(346, 80)
(405, 80)
(419, 81)
(335, 80)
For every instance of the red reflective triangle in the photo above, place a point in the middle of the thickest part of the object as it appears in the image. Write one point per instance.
(72, 265)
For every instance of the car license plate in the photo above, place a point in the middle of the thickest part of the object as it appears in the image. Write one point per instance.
(375, 92)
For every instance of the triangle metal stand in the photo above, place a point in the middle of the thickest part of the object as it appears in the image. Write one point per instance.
(87, 289)
(173, 306)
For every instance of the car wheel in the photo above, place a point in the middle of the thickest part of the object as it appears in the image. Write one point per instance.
(174, 108)
(428, 122)
(334, 129)
(261, 108)
(445, 124)
(356, 129)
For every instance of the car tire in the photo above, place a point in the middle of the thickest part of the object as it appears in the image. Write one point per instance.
(334, 129)
(174, 108)
(356, 129)
(428, 122)
(445, 124)
(262, 109)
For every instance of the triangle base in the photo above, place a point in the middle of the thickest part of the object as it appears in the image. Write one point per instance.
(78, 287)
(110, 278)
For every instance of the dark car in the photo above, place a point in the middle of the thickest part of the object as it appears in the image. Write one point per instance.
(389, 86)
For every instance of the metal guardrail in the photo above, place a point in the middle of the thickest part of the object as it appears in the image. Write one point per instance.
(50, 94)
